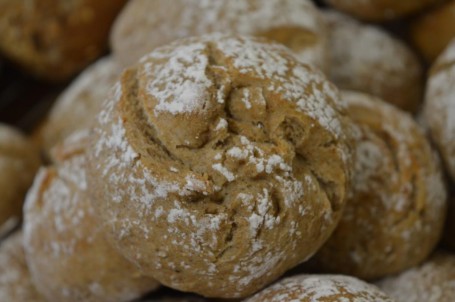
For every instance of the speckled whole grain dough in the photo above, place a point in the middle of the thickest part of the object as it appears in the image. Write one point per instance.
(54, 39)
(321, 288)
(219, 163)
(366, 58)
(144, 25)
(433, 281)
(15, 281)
(439, 108)
(79, 104)
(396, 207)
(19, 160)
(380, 10)
(433, 31)
(66, 250)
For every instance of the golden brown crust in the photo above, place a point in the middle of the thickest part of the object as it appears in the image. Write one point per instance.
(433, 31)
(19, 160)
(366, 58)
(320, 288)
(54, 39)
(68, 256)
(433, 281)
(15, 281)
(145, 25)
(380, 10)
(227, 152)
(396, 209)
(76, 108)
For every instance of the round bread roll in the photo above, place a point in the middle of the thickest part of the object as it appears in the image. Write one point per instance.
(15, 282)
(433, 281)
(19, 161)
(432, 32)
(380, 10)
(77, 107)
(439, 108)
(67, 253)
(144, 25)
(220, 163)
(54, 39)
(320, 288)
(396, 208)
(366, 58)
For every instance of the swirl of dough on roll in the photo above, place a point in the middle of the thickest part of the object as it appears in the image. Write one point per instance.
(396, 207)
(219, 163)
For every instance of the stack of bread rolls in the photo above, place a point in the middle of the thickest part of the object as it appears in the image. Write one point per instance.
(255, 150)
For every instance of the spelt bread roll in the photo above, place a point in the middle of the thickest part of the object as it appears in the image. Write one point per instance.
(15, 281)
(396, 208)
(433, 31)
(439, 108)
(320, 288)
(368, 59)
(19, 160)
(220, 163)
(145, 25)
(54, 39)
(433, 281)
(77, 107)
(380, 10)
(67, 253)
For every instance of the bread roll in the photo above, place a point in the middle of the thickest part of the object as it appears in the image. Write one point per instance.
(54, 39)
(439, 108)
(67, 253)
(15, 281)
(19, 160)
(78, 105)
(220, 163)
(145, 25)
(368, 59)
(380, 10)
(320, 288)
(432, 32)
(396, 208)
(433, 281)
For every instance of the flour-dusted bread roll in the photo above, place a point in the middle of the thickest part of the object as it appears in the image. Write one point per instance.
(366, 58)
(439, 108)
(79, 104)
(220, 163)
(396, 208)
(320, 288)
(19, 160)
(144, 25)
(433, 281)
(380, 10)
(433, 31)
(54, 39)
(67, 253)
(15, 282)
